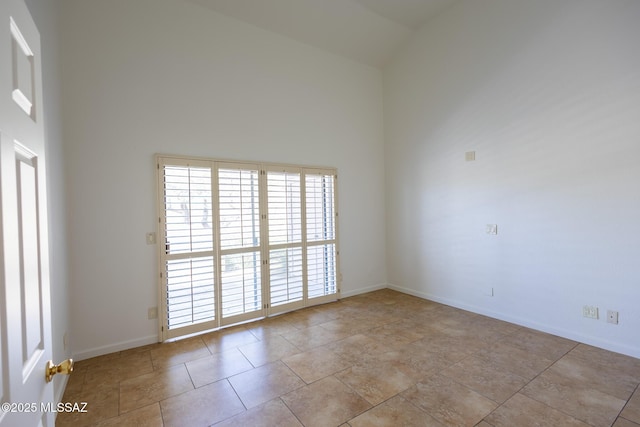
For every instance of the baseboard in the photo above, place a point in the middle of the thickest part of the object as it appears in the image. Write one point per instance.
(151, 339)
(112, 348)
(363, 290)
(564, 333)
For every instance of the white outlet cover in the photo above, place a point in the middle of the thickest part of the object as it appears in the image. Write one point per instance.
(492, 229)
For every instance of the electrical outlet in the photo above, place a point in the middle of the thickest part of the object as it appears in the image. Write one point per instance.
(612, 317)
(492, 229)
(590, 312)
(152, 313)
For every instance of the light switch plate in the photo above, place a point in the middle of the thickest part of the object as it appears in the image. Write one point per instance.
(151, 238)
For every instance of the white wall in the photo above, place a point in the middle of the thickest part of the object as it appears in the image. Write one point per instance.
(548, 95)
(44, 13)
(148, 76)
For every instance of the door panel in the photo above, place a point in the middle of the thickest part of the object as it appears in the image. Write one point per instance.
(32, 339)
(25, 319)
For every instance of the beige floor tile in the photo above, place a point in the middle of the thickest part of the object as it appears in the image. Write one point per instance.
(394, 334)
(201, 407)
(394, 412)
(153, 387)
(376, 381)
(420, 329)
(358, 348)
(95, 361)
(148, 416)
(546, 345)
(270, 414)
(485, 378)
(499, 326)
(273, 326)
(515, 360)
(606, 379)
(315, 336)
(622, 422)
(409, 355)
(228, 339)
(119, 369)
(134, 350)
(451, 349)
(333, 310)
(265, 383)
(177, 352)
(347, 326)
(605, 358)
(102, 404)
(75, 383)
(306, 318)
(217, 366)
(415, 363)
(632, 409)
(589, 405)
(449, 402)
(268, 350)
(523, 411)
(327, 402)
(316, 364)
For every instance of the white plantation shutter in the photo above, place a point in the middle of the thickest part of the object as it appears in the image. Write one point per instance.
(322, 268)
(239, 241)
(285, 238)
(241, 260)
(239, 208)
(187, 243)
(187, 199)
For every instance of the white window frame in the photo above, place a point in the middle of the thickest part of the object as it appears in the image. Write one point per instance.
(165, 332)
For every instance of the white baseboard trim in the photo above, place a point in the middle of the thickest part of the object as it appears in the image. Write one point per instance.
(112, 348)
(151, 339)
(363, 290)
(564, 333)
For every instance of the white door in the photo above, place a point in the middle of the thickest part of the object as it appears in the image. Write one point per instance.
(25, 345)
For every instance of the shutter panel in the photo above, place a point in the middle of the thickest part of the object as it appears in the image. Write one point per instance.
(188, 246)
(239, 216)
(320, 212)
(239, 208)
(285, 238)
(187, 207)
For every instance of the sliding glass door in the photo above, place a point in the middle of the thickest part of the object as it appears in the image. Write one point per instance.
(243, 240)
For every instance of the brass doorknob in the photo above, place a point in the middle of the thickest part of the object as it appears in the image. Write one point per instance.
(65, 368)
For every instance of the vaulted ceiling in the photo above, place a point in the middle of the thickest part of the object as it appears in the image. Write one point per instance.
(367, 31)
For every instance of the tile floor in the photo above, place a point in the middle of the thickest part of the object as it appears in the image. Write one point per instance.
(378, 359)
